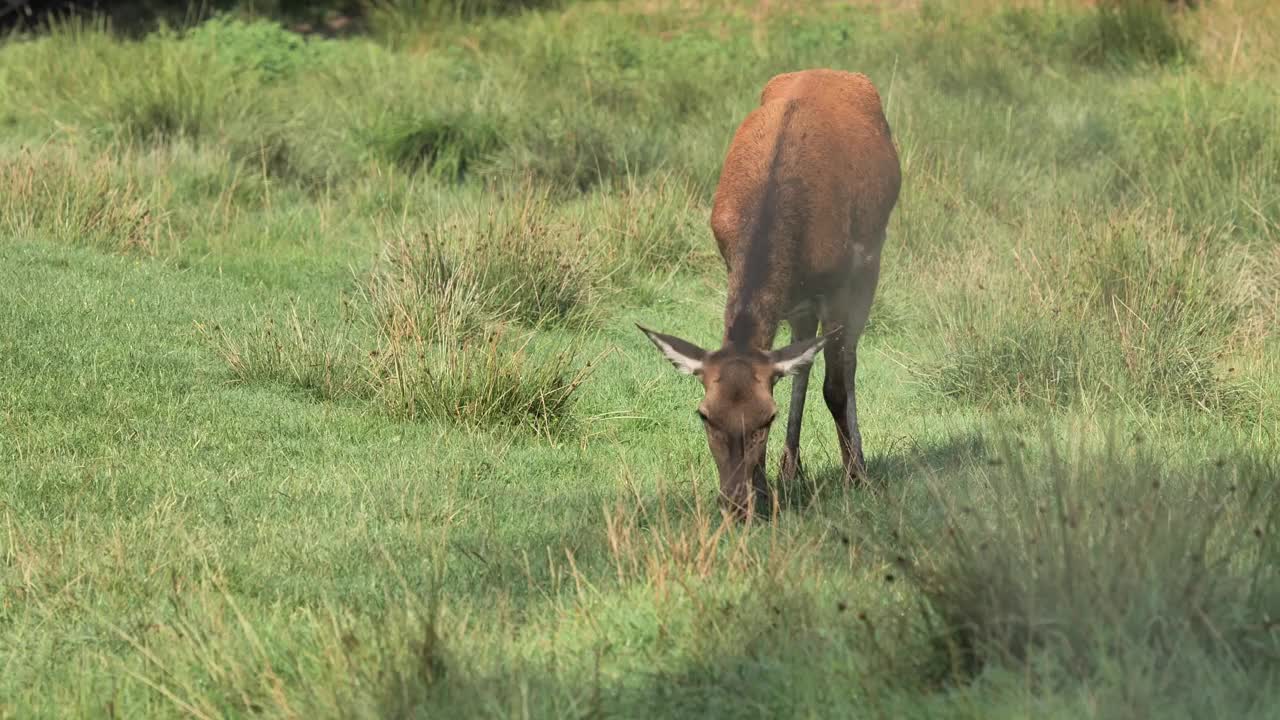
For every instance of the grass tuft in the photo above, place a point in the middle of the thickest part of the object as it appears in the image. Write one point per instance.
(1126, 31)
(1110, 569)
(55, 193)
(297, 351)
(531, 262)
(1140, 314)
(448, 146)
(425, 336)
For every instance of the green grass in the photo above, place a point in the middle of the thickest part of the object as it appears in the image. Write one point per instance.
(320, 392)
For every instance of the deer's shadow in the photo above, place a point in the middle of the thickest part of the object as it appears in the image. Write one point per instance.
(823, 475)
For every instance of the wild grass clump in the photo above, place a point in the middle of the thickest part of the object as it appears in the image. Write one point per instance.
(1113, 33)
(651, 227)
(1141, 313)
(1216, 146)
(54, 193)
(576, 148)
(1112, 570)
(1127, 31)
(429, 335)
(446, 143)
(481, 384)
(532, 262)
(172, 89)
(142, 91)
(296, 351)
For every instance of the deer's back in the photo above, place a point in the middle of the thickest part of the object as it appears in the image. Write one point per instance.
(809, 180)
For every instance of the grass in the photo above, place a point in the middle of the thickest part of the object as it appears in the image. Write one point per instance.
(320, 392)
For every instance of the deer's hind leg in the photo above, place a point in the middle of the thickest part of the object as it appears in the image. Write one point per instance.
(804, 326)
(847, 310)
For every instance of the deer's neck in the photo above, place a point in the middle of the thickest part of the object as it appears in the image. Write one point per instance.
(754, 309)
(760, 276)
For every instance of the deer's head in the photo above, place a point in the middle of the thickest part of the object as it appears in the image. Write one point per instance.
(738, 408)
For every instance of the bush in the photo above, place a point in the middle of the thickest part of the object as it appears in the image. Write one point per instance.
(260, 48)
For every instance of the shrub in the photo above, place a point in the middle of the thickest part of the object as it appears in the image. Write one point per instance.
(260, 48)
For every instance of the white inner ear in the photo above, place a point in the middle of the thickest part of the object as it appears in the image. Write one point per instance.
(683, 363)
(801, 361)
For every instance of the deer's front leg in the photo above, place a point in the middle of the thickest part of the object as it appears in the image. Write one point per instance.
(802, 328)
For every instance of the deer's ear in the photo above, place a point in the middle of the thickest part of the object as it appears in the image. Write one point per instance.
(796, 356)
(686, 356)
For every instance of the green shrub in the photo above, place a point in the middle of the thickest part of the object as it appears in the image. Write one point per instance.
(259, 48)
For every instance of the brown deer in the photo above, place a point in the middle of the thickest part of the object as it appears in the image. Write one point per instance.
(799, 215)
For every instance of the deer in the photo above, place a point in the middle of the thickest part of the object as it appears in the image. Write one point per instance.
(799, 216)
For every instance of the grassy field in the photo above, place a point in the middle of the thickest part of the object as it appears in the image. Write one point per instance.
(321, 394)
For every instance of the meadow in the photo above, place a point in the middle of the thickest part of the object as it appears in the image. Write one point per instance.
(321, 393)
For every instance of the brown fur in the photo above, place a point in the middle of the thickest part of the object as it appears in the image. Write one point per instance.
(799, 216)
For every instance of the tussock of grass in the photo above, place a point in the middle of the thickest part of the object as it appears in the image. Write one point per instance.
(159, 87)
(651, 227)
(1132, 30)
(532, 262)
(1110, 569)
(296, 351)
(482, 384)
(1139, 314)
(1218, 145)
(402, 23)
(424, 336)
(55, 193)
(582, 148)
(447, 146)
